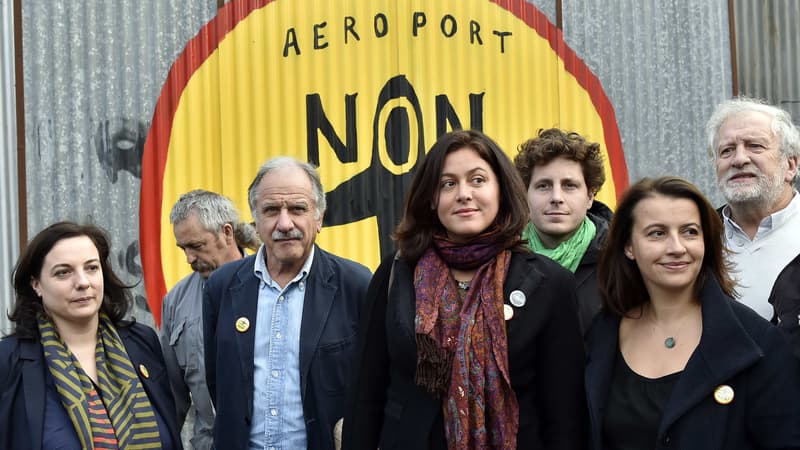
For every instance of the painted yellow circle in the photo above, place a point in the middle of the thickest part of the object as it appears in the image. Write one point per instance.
(473, 61)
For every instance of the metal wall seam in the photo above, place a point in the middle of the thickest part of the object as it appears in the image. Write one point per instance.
(9, 232)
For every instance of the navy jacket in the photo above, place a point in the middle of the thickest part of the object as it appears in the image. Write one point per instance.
(23, 386)
(737, 348)
(387, 409)
(331, 311)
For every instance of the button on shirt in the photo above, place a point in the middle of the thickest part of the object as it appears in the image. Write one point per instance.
(278, 422)
(759, 261)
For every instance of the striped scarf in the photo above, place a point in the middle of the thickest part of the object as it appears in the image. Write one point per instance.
(133, 421)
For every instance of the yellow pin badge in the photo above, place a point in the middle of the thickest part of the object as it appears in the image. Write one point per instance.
(242, 324)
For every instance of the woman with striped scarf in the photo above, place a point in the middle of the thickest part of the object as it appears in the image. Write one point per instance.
(74, 373)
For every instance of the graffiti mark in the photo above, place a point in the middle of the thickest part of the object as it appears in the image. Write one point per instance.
(119, 143)
(127, 260)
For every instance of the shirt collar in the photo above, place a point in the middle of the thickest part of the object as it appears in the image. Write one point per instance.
(261, 272)
(774, 220)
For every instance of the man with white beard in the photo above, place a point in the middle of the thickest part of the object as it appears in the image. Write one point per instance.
(756, 149)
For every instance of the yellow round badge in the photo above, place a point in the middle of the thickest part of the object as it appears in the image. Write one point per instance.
(242, 324)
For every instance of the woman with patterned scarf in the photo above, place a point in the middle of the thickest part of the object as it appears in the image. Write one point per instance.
(468, 340)
(74, 374)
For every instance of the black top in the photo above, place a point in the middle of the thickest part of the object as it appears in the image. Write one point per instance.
(635, 406)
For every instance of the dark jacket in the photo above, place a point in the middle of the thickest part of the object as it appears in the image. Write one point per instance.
(388, 410)
(737, 348)
(589, 302)
(785, 298)
(331, 311)
(23, 378)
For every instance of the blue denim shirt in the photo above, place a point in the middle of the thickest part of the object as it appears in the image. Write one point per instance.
(278, 422)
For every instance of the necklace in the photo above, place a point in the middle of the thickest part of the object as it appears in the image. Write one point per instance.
(670, 342)
(463, 285)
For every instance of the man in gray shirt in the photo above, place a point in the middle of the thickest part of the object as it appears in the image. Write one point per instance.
(206, 227)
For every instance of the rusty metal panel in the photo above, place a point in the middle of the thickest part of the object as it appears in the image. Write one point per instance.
(665, 64)
(768, 51)
(9, 233)
(92, 73)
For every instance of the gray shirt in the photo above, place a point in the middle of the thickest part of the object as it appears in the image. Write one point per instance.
(182, 343)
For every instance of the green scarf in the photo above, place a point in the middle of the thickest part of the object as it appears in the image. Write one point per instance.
(568, 253)
(129, 410)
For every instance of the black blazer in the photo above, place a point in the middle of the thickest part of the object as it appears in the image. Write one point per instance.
(331, 311)
(23, 385)
(545, 352)
(737, 348)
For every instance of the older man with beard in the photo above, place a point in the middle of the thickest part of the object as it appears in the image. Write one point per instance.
(756, 149)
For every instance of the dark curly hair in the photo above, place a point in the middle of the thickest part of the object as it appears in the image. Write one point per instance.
(419, 223)
(619, 279)
(116, 300)
(554, 143)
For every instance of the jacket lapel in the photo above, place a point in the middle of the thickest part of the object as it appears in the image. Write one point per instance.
(244, 303)
(33, 379)
(711, 364)
(316, 309)
(520, 277)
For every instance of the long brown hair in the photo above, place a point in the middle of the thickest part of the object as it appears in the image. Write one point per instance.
(420, 221)
(619, 279)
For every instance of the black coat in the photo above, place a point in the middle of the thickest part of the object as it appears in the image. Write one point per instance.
(545, 352)
(23, 386)
(737, 348)
(589, 302)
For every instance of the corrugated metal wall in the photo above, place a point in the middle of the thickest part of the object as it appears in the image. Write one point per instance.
(93, 71)
(768, 51)
(9, 232)
(665, 64)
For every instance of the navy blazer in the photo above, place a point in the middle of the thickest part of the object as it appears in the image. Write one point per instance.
(737, 348)
(23, 386)
(387, 409)
(331, 310)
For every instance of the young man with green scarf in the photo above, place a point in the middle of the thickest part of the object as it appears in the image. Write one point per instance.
(563, 172)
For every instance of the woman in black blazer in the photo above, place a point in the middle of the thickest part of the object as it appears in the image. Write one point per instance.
(674, 361)
(74, 374)
(469, 339)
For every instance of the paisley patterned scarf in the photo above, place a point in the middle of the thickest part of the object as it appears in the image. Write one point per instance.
(462, 348)
(129, 410)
